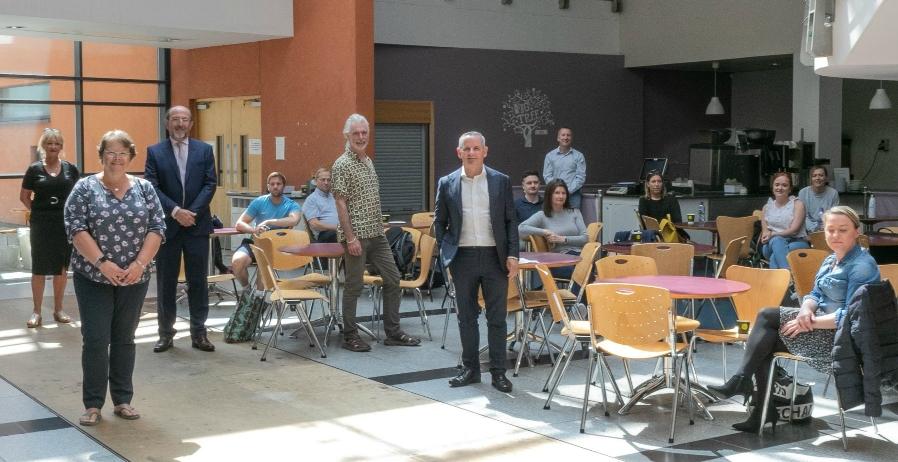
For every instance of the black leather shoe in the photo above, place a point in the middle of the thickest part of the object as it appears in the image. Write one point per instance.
(465, 377)
(201, 342)
(501, 382)
(163, 344)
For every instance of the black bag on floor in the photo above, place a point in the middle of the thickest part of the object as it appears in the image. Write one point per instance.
(403, 249)
(781, 395)
(243, 322)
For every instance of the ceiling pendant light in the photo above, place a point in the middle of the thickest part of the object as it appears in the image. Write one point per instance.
(880, 99)
(714, 106)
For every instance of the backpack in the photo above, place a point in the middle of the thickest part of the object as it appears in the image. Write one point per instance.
(243, 322)
(403, 249)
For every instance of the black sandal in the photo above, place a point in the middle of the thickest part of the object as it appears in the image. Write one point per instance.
(356, 344)
(402, 339)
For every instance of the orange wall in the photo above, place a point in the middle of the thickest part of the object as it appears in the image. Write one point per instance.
(308, 84)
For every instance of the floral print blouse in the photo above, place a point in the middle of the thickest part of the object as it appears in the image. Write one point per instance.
(118, 226)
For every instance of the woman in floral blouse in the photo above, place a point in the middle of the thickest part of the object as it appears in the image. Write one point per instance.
(116, 224)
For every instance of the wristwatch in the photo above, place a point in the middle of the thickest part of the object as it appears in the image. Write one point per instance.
(100, 261)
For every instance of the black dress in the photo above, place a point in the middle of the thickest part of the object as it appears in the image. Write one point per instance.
(50, 249)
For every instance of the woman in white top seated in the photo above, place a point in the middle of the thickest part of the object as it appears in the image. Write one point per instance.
(559, 223)
(782, 224)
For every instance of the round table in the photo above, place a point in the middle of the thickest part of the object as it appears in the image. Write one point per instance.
(529, 260)
(624, 248)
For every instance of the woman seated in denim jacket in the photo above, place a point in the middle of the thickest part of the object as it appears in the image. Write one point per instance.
(807, 331)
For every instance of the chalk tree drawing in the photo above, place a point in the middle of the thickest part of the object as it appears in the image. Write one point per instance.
(526, 110)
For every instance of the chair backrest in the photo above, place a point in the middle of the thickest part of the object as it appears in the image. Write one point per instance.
(817, 239)
(618, 266)
(422, 220)
(281, 261)
(673, 259)
(266, 272)
(427, 248)
(649, 223)
(629, 314)
(890, 272)
(538, 243)
(804, 264)
(729, 228)
(864, 241)
(556, 305)
(593, 230)
(768, 287)
(584, 268)
(731, 255)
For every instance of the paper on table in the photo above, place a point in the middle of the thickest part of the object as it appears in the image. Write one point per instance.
(526, 260)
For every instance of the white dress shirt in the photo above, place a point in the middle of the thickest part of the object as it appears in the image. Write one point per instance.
(476, 227)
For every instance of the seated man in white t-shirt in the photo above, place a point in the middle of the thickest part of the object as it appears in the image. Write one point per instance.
(271, 211)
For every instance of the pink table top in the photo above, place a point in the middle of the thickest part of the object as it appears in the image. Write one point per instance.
(550, 259)
(687, 287)
(623, 248)
(320, 249)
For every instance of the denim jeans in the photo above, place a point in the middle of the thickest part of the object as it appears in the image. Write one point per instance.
(109, 316)
(776, 249)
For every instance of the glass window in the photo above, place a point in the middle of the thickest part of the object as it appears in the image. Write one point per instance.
(31, 55)
(36, 89)
(121, 92)
(19, 147)
(119, 61)
(142, 123)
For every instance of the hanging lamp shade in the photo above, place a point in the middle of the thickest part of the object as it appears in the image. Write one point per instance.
(714, 106)
(880, 99)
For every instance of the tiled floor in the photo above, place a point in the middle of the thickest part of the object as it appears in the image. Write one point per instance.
(390, 404)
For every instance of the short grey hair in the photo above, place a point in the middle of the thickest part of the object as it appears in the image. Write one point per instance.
(172, 109)
(117, 135)
(350, 121)
(471, 134)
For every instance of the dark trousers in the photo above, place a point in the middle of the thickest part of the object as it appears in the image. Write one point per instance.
(763, 341)
(109, 316)
(326, 236)
(474, 269)
(375, 251)
(195, 250)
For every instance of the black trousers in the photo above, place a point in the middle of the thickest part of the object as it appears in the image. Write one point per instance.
(195, 250)
(474, 269)
(763, 341)
(109, 317)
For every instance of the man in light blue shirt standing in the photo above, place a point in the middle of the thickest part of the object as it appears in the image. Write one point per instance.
(568, 164)
(271, 211)
(320, 208)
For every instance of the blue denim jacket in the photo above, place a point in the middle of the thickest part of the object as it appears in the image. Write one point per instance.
(836, 283)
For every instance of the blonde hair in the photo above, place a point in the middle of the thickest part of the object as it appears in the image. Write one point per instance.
(117, 135)
(46, 136)
(845, 211)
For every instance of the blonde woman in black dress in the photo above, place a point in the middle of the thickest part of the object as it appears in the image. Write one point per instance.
(45, 187)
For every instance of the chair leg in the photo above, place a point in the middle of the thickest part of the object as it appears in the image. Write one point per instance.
(689, 403)
(673, 419)
(620, 400)
(307, 323)
(419, 297)
(794, 390)
(627, 373)
(875, 427)
(277, 327)
(841, 419)
(586, 391)
(723, 354)
(826, 385)
(602, 384)
(450, 297)
(524, 343)
(554, 386)
(557, 364)
(773, 364)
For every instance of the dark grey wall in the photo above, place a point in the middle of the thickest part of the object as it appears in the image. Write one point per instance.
(595, 95)
(763, 99)
(674, 114)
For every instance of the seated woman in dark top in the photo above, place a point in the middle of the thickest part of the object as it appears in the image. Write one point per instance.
(808, 331)
(657, 204)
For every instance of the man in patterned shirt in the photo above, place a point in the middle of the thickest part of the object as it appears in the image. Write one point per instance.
(357, 196)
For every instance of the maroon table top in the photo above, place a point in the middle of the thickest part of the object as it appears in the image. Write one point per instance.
(687, 287)
(623, 248)
(878, 219)
(550, 259)
(699, 225)
(225, 232)
(320, 249)
(883, 239)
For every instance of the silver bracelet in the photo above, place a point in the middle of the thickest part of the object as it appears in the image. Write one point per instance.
(140, 263)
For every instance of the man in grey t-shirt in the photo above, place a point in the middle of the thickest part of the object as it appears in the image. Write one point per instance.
(817, 198)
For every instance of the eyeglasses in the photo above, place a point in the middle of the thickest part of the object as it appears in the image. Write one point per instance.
(117, 155)
(179, 119)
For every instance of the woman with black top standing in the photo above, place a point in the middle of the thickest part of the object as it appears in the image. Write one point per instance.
(45, 188)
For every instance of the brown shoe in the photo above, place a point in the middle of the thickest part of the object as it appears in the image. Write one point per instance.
(356, 344)
(402, 339)
(202, 343)
(126, 412)
(90, 417)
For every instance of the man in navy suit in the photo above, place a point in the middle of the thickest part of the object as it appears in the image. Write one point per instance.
(477, 230)
(183, 172)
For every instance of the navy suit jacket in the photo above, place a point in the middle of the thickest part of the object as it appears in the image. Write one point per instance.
(448, 215)
(162, 171)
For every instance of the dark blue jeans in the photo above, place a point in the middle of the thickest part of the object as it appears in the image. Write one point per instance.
(109, 316)
(473, 269)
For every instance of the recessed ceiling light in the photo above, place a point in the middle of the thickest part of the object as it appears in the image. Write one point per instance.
(15, 27)
(169, 39)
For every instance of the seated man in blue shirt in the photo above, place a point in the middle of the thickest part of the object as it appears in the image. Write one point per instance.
(320, 209)
(530, 202)
(271, 211)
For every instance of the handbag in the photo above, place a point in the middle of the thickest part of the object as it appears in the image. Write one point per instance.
(781, 395)
(667, 230)
(245, 319)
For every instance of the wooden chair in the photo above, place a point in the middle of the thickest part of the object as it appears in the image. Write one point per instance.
(423, 221)
(817, 240)
(768, 287)
(649, 223)
(283, 298)
(729, 228)
(272, 240)
(538, 243)
(581, 277)
(673, 259)
(427, 247)
(533, 300)
(593, 230)
(890, 272)
(211, 280)
(633, 322)
(731, 255)
(804, 264)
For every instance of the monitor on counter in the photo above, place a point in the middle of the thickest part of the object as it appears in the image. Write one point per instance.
(653, 163)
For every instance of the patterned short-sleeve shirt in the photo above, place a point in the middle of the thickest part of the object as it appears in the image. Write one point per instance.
(118, 226)
(356, 181)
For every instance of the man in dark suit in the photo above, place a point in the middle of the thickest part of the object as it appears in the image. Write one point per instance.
(183, 172)
(477, 230)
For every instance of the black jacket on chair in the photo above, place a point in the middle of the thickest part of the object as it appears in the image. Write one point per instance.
(865, 349)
